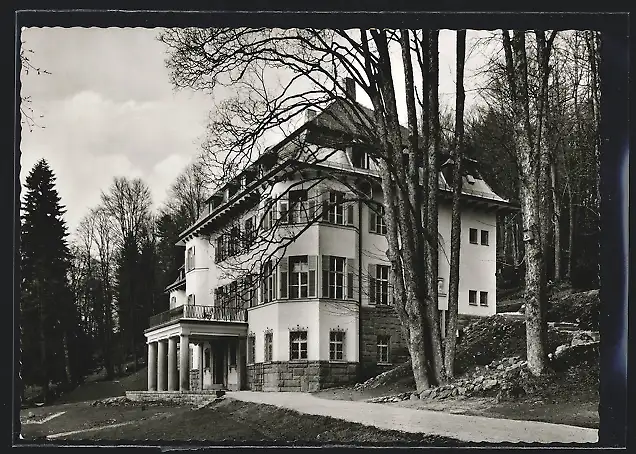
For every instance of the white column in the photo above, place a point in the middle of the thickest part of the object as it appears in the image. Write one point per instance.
(184, 364)
(200, 353)
(152, 366)
(162, 375)
(173, 378)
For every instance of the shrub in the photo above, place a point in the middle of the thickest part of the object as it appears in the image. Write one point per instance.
(498, 337)
(582, 308)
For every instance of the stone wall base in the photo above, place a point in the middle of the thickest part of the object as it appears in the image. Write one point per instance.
(186, 397)
(300, 376)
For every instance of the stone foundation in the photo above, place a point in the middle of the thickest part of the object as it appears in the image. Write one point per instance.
(300, 376)
(381, 321)
(187, 397)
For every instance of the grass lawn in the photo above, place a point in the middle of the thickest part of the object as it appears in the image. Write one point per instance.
(228, 421)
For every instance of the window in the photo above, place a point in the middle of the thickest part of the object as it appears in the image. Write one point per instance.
(333, 209)
(251, 349)
(190, 259)
(269, 282)
(206, 358)
(472, 297)
(376, 219)
(484, 237)
(483, 298)
(359, 158)
(298, 277)
(220, 248)
(333, 276)
(249, 234)
(268, 214)
(383, 349)
(441, 291)
(297, 206)
(269, 347)
(191, 299)
(297, 345)
(336, 345)
(173, 301)
(379, 284)
(472, 236)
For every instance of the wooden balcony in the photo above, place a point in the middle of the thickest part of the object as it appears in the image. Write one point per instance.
(197, 312)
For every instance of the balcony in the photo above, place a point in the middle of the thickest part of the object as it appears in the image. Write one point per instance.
(196, 312)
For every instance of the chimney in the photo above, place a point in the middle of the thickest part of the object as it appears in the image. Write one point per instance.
(350, 88)
(310, 114)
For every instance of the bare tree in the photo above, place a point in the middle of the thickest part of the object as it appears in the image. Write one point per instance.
(28, 116)
(128, 203)
(315, 62)
(453, 285)
(188, 193)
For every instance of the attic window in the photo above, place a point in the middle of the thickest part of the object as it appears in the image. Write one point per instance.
(359, 158)
(470, 179)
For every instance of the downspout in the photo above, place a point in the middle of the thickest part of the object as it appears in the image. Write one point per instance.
(359, 288)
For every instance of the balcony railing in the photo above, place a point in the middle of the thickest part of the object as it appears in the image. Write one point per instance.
(216, 313)
(196, 312)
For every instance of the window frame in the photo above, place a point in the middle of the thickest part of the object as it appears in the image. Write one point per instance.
(299, 286)
(298, 207)
(332, 275)
(251, 349)
(472, 293)
(190, 262)
(298, 339)
(481, 238)
(470, 236)
(383, 346)
(268, 347)
(379, 283)
(334, 342)
(483, 302)
(336, 208)
(268, 284)
(377, 223)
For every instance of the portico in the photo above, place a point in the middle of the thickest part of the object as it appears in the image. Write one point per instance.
(196, 355)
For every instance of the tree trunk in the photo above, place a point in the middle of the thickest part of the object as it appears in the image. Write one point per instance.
(557, 222)
(437, 356)
(455, 240)
(572, 222)
(516, 63)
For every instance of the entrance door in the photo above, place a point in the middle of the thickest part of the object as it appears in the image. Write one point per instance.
(219, 363)
(207, 368)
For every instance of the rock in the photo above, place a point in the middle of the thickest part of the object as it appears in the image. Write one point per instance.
(500, 367)
(413, 396)
(461, 390)
(480, 379)
(560, 349)
(490, 383)
(425, 394)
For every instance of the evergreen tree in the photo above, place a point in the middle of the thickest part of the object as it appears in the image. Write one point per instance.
(51, 344)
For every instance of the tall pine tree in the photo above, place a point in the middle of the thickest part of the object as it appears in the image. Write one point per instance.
(51, 341)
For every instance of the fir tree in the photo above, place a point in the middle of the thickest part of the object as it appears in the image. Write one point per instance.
(50, 338)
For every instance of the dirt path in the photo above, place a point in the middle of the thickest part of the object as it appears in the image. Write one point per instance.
(388, 417)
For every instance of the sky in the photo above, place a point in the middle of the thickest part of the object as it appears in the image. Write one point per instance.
(107, 109)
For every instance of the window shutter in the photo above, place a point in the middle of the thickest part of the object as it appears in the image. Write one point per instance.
(312, 197)
(283, 211)
(390, 298)
(312, 265)
(372, 276)
(283, 267)
(266, 211)
(325, 205)
(372, 220)
(325, 276)
(350, 278)
(350, 213)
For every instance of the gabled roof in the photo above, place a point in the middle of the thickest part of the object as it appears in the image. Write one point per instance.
(340, 117)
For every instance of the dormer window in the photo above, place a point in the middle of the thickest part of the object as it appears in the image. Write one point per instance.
(470, 179)
(359, 158)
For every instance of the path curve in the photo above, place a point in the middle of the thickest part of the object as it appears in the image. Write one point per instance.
(462, 427)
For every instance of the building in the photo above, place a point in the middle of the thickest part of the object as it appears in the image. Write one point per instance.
(315, 310)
